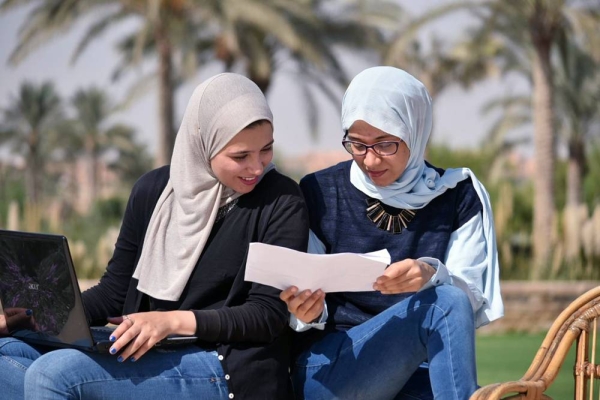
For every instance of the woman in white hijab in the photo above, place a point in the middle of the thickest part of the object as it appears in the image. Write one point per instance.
(413, 336)
(178, 269)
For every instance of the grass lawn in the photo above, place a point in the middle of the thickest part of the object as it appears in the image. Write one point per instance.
(507, 357)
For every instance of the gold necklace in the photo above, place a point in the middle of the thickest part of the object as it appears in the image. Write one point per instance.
(385, 221)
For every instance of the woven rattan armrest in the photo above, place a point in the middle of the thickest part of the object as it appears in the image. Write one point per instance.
(575, 324)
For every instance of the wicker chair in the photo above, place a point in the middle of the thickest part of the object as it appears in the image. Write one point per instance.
(578, 323)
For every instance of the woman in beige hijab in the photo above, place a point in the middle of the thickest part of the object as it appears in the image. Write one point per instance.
(178, 269)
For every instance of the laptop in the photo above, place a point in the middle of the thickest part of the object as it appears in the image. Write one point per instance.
(37, 274)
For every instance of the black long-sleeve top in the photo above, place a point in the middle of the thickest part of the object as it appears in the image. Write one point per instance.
(245, 322)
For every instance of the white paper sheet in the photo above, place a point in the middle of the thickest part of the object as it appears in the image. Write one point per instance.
(281, 267)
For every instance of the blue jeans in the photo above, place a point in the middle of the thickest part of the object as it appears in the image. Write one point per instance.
(376, 359)
(186, 372)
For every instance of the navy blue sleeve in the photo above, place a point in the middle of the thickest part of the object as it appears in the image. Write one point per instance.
(468, 205)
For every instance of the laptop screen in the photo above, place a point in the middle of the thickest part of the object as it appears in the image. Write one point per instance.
(36, 274)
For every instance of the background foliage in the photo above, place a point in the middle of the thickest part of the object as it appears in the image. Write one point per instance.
(67, 164)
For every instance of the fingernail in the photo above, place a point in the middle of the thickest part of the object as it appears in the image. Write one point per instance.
(132, 359)
(120, 359)
(112, 338)
(113, 350)
(319, 292)
(28, 312)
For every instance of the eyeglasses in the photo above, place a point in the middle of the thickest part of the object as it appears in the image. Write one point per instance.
(381, 148)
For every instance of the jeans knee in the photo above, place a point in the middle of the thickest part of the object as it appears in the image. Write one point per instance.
(51, 373)
(10, 346)
(18, 352)
(452, 298)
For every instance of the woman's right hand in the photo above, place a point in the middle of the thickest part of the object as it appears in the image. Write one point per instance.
(137, 333)
(306, 306)
(16, 318)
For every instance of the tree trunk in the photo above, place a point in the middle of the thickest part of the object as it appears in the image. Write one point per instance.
(262, 82)
(166, 134)
(544, 158)
(32, 169)
(575, 171)
(30, 181)
(91, 172)
(575, 212)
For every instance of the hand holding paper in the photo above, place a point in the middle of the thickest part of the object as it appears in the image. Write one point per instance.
(281, 267)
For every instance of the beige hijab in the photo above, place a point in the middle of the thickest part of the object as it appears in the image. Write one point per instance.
(183, 217)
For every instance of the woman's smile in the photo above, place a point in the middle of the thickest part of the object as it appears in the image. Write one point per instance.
(249, 181)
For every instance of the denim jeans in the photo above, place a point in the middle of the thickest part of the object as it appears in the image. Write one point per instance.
(185, 372)
(376, 359)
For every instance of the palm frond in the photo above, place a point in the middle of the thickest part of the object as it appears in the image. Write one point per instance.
(140, 88)
(46, 21)
(96, 29)
(405, 36)
(505, 125)
(10, 5)
(507, 102)
(285, 28)
(585, 23)
(127, 50)
(8, 134)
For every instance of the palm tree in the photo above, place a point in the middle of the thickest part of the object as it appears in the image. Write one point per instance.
(91, 135)
(578, 89)
(26, 125)
(530, 29)
(88, 128)
(48, 18)
(578, 96)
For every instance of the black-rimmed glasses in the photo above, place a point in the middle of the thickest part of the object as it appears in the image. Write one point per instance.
(381, 148)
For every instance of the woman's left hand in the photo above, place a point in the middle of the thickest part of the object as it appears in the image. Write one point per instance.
(404, 276)
(138, 333)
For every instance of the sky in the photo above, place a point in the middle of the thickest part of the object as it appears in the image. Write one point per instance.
(457, 118)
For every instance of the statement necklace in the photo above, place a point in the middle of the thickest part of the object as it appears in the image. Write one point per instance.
(386, 221)
(224, 210)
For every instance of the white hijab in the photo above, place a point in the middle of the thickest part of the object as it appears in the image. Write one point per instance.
(395, 102)
(183, 217)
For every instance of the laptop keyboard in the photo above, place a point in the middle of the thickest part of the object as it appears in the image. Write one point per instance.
(101, 333)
